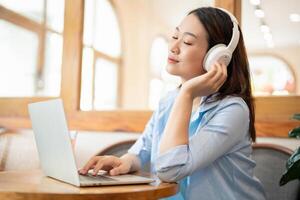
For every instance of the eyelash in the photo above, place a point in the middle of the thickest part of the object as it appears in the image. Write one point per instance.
(187, 43)
(175, 38)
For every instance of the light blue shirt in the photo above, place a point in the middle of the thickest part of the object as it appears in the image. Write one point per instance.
(216, 164)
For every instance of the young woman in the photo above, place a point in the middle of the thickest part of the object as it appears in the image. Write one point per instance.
(201, 134)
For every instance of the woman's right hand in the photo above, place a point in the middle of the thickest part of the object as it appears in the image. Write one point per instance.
(207, 83)
(112, 164)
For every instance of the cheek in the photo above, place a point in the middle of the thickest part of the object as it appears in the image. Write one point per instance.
(194, 61)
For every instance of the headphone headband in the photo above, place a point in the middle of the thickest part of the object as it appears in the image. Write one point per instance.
(235, 31)
(222, 52)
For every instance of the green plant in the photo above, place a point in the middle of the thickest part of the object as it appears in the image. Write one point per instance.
(295, 133)
(293, 163)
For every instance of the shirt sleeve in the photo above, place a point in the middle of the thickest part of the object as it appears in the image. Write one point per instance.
(142, 147)
(223, 131)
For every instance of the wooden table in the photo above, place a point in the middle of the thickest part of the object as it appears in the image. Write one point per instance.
(34, 185)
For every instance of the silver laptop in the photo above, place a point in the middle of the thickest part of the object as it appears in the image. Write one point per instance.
(55, 150)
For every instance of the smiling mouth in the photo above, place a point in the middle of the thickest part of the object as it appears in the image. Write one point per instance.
(170, 60)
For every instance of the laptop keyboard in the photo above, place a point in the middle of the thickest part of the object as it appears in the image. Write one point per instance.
(90, 178)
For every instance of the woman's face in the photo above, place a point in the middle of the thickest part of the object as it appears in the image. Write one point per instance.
(187, 49)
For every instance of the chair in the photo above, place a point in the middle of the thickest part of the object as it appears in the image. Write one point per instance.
(119, 149)
(270, 165)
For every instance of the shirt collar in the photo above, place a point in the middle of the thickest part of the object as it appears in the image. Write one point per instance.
(208, 102)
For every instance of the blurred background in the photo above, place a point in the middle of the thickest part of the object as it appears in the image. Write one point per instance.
(106, 59)
(125, 45)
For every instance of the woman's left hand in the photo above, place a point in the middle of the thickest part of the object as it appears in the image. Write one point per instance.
(207, 83)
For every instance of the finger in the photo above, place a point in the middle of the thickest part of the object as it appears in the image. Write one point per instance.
(221, 71)
(224, 72)
(121, 169)
(216, 80)
(108, 161)
(209, 77)
(98, 167)
(213, 70)
(218, 73)
(222, 77)
(89, 165)
(224, 67)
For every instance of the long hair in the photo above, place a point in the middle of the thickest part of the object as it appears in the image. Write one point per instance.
(218, 25)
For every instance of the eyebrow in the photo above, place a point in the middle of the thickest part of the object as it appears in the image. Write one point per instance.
(187, 33)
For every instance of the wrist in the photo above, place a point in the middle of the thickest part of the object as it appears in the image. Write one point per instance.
(187, 93)
(132, 162)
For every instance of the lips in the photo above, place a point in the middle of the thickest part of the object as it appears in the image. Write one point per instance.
(172, 60)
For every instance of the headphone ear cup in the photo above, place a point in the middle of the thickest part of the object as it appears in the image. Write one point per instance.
(216, 53)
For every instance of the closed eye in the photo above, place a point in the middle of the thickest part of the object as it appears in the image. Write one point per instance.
(187, 43)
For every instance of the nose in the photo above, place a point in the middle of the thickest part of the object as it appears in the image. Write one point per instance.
(174, 47)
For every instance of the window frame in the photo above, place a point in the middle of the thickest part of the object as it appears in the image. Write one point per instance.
(14, 114)
(101, 55)
(276, 56)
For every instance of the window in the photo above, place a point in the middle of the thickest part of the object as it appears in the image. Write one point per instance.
(161, 81)
(31, 47)
(271, 76)
(101, 56)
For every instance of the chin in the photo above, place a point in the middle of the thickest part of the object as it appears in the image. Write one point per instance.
(171, 69)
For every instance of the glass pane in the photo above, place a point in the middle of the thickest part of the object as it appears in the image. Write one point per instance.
(106, 37)
(143, 59)
(52, 67)
(106, 79)
(55, 15)
(18, 51)
(88, 25)
(271, 76)
(33, 9)
(86, 97)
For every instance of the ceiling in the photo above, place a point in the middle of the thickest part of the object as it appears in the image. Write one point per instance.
(284, 32)
(171, 12)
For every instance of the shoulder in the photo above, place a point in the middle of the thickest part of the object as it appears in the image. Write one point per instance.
(228, 103)
(234, 105)
(234, 100)
(168, 98)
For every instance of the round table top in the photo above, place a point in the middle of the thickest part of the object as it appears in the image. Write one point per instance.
(35, 185)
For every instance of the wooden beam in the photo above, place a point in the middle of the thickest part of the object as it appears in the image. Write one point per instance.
(17, 107)
(20, 20)
(276, 108)
(72, 53)
(233, 6)
(41, 52)
(127, 121)
(99, 54)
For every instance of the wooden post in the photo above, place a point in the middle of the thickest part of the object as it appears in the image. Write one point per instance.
(233, 6)
(72, 53)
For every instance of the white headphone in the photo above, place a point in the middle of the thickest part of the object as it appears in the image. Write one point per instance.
(221, 52)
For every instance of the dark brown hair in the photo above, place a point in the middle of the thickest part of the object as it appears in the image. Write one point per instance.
(218, 25)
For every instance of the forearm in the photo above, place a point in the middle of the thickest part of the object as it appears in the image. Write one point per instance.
(134, 161)
(176, 130)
